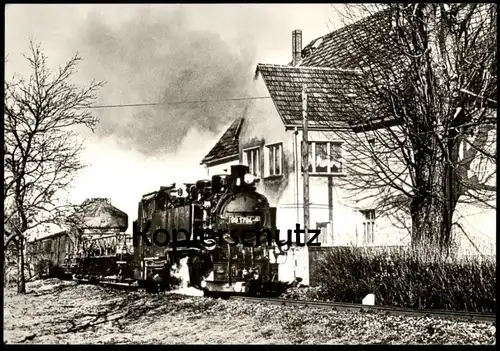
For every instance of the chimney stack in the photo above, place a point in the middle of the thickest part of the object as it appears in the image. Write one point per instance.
(296, 46)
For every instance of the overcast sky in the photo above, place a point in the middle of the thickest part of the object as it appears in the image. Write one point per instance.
(161, 52)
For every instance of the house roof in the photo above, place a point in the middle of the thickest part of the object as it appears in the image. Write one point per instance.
(341, 48)
(285, 86)
(352, 46)
(329, 68)
(324, 86)
(227, 147)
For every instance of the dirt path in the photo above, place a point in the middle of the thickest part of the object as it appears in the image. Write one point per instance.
(62, 312)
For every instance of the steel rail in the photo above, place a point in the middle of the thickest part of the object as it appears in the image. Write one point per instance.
(342, 306)
(336, 306)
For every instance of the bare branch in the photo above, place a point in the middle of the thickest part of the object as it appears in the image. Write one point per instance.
(430, 70)
(41, 152)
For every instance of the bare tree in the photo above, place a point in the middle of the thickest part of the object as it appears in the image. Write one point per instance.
(424, 110)
(42, 154)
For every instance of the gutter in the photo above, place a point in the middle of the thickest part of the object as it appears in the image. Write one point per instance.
(289, 127)
(219, 160)
(354, 128)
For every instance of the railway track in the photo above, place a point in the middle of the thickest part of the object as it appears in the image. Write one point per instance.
(341, 306)
(114, 285)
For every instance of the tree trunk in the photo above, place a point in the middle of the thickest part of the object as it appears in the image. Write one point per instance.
(21, 281)
(432, 206)
(429, 208)
(431, 224)
(426, 224)
(30, 274)
(449, 204)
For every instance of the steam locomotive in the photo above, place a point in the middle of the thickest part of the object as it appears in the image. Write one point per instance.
(222, 229)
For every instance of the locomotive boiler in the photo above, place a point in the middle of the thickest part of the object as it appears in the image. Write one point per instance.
(215, 225)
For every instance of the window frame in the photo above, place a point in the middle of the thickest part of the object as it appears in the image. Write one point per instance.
(251, 149)
(369, 218)
(329, 143)
(267, 155)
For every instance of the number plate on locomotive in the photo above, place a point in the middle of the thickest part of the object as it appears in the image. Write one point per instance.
(244, 219)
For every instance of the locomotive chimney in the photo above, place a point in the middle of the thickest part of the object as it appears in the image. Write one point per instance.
(238, 171)
(296, 47)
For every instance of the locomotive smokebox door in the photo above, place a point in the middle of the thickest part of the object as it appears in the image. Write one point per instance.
(244, 213)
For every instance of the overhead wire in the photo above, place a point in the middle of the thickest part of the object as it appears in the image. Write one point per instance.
(200, 101)
(175, 102)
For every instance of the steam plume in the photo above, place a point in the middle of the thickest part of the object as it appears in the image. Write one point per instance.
(156, 56)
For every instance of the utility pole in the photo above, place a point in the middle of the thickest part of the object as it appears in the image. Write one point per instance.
(305, 161)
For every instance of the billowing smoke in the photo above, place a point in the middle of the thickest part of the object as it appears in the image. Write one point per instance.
(156, 53)
(156, 56)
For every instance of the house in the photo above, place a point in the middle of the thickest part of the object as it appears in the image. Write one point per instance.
(268, 139)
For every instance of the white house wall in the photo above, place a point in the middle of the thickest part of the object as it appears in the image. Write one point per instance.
(263, 126)
(478, 222)
(477, 235)
(479, 225)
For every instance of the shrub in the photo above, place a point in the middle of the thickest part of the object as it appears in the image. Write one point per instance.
(397, 278)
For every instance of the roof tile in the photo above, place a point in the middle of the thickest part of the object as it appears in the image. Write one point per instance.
(323, 84)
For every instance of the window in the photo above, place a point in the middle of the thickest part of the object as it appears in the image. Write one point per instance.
(275, 159)
(325, 157)
(252, 161)
(368, 226)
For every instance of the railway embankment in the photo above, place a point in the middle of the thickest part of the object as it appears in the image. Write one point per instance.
(63, 312)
